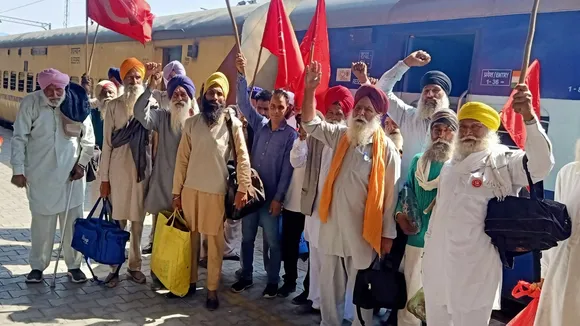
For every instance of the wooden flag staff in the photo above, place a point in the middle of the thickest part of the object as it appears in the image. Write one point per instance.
(529, 42)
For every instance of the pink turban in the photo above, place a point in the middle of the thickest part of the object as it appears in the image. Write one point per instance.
(52, 77)
(378, 98)
(339, 94)
(173, 66)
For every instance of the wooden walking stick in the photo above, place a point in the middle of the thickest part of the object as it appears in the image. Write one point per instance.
(529, 42)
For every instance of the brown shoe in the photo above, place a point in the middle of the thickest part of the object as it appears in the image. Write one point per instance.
(136, 276)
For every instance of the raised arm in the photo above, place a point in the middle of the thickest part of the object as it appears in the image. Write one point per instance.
(255, 120)
(22, 128)
(287, 170)
(146, 111)
(182, 159)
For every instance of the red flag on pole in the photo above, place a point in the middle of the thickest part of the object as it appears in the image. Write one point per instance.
(132, 18)
(280, 40)
(315, 41)
(512, 121)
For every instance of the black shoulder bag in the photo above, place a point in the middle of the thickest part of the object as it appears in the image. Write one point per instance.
(254, 202)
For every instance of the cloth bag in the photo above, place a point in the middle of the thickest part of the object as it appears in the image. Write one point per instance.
(416, 306)
(527, 316)
(171, 257)
(256, 200)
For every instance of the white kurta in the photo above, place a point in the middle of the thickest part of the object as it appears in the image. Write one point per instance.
(413, 127)
(559, 301)
(46, 156)
(462, 270)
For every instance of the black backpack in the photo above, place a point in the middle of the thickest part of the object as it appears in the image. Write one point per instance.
(519, 225)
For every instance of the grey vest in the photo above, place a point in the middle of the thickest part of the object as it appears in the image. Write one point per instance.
(311, 174)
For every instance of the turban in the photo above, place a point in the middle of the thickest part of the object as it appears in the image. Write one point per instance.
(339, 94)
(435, 77)
(173, 66)
(218, 79)
(183, 81)
(378, 97)
(52, 77)
(254, 91)
(115, 72)
(130, 64)
(105, 84)
(447, 117)
(291, 97)
(483, 113)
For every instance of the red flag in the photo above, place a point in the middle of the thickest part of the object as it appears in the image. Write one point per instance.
(280, 40)
(512, 121)
(316, 39)
(132, 18)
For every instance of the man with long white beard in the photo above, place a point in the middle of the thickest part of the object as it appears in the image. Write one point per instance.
(201, 175)
(559, 300)
(413, 122)
(168, 123)
(315, 157)
(462, 270)
(126, 165)
(422, 181)
(356, 221)
(45, 161)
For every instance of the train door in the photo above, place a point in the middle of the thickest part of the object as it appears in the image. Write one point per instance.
(451, 54)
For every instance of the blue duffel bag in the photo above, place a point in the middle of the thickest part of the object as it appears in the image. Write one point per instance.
(101, 238)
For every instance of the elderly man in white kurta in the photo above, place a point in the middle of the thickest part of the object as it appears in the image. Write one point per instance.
(357, 222)
(413, 122)
(462, 271)
(125, 164)
(45, 160)
(559, 299)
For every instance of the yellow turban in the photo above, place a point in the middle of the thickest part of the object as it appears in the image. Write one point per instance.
(132, 63)
(483, 113)
(218, 79)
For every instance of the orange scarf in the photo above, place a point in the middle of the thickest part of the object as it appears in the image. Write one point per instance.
(373, 216)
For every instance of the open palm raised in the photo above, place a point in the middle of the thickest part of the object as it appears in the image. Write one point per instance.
(313, 75)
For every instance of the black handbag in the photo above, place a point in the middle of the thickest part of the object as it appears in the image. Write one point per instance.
(380, 286)
(254, 202)
(518, 225)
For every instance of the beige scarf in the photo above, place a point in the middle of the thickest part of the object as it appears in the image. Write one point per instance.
(422, 175)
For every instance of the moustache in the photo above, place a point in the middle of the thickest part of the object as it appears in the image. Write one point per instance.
(469, 138)
(180, 104)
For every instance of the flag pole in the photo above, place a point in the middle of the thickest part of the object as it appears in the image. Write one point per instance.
(235, 26)
(93, 51)
(529, 42)
(256, 70)
(87, 37)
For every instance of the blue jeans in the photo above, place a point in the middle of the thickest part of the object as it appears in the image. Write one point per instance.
(250, 226)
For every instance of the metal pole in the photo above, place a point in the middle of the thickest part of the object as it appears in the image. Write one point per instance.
(62, 234)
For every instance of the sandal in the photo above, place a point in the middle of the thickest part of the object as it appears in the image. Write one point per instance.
(112, 280)
(137, 276)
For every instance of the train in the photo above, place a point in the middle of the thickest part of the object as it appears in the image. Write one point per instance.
(478, 43)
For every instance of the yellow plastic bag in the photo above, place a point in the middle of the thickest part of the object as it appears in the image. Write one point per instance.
(171, 258)
(416, 306)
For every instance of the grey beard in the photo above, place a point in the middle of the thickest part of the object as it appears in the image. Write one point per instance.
(439, 152)
(426, 110)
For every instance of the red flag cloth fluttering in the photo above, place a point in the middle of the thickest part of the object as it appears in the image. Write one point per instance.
(132, 18)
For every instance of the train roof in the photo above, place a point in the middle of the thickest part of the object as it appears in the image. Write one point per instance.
(340, 13)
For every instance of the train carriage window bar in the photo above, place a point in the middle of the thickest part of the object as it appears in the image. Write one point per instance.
(37, 84)
(5, 80)
(21, 80)
(29, 83)
(12, 81)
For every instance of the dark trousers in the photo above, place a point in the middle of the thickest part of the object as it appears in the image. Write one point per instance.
(292, 228)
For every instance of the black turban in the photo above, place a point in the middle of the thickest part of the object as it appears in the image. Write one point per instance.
(436, 77)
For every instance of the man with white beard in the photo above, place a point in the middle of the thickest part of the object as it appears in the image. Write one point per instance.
(413, 122)
(45, 159)
(356, 221)
(462, 270)
(126, 165)
(422, 181)
(168, 123)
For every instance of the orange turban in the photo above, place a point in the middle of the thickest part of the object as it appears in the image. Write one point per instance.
(132, 63)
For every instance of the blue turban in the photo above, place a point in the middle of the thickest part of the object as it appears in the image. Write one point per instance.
(436, 77)
(183, 81)
(254, 91)
(115, 72)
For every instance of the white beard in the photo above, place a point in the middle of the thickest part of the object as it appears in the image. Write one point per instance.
(439, 151)
(55, 103)
(426, 110)
(132, 93)
(359, 132)
(465, 148)
(179, 112)
(103, 106)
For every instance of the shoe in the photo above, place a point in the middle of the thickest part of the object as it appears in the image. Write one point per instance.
(286, 289)
(301, 299)
(190, 292)
(235, 257)
(212, 303)
(35, 276)
(203, 263)
(241, 286)
(76, 276)
(148, 249)
(306, 310)
(271, 291)
(137, 276)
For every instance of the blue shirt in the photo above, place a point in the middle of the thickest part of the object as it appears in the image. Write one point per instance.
(270, 155)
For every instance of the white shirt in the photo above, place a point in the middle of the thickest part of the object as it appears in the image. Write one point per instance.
(46, 156)
(292, 200)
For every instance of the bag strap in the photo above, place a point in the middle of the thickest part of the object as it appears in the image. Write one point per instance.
(231, 138)
(533, 193)
(359, 315)
(95, 278)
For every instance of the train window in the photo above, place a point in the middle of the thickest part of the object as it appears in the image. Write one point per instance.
(37, 84)
(5, 80)
(29, 83)
(13, 81)
(8, 51)
(21, 80)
